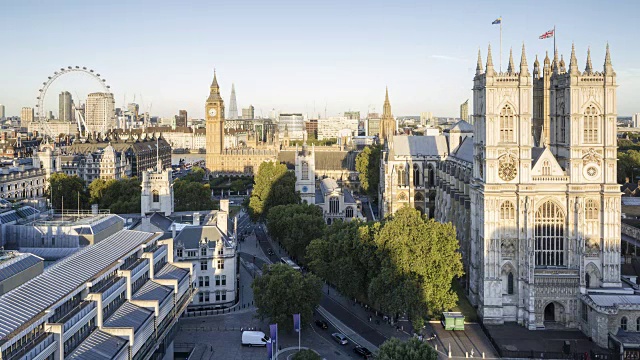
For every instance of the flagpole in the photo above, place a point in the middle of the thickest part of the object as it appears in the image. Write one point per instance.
(554, 38)
(501, 43)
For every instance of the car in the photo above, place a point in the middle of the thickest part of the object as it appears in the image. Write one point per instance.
(270, 251)
(287, 261)
(363, 352)
(322, 324)
(340, 338)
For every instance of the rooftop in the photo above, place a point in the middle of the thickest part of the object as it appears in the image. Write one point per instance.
(19, 308)
(15, 263)
(191, 236)
(98, 346)
(419, 145)
(128, 316)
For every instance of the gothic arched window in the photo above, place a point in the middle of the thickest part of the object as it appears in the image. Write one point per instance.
(623, 323)
(591, 125)
(546, 168)
(431, 175)
(506, 124)
(417, 179)
(510, 283)
(402, 176)
(638, 324)
(156, 196)
(305, 170)
(334, 205)
(591, 210)
(549, 235)
(349, 212)
(507, 211)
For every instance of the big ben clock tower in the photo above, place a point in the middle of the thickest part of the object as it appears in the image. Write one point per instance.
(214, 112)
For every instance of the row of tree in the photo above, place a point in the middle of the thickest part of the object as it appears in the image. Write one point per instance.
(368, 168)
(391, 349)
(120, 196)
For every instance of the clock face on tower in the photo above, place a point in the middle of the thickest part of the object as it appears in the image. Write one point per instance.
(212, 112)
(305, 189)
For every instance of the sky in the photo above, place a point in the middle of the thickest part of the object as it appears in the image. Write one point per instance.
(298, 56)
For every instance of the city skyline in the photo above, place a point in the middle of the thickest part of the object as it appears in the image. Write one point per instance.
(297, 57)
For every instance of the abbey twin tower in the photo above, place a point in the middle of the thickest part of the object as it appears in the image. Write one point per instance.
(532, 190)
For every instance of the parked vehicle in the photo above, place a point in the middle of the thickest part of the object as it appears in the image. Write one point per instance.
(322, 324)
(363, 352)
(340, 338)
(287, 261)
(254, 338)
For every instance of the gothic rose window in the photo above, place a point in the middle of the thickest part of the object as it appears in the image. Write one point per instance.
(549, 235)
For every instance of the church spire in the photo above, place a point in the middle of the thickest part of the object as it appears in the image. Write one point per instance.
(547, 61)
(214, 83)
(563, 66)
(387, 105)
(510, 67)
(589, 67)
(524, 67)
(608, 68)
(573, 63)
(479, 66)
(489, 71)
(555, 65)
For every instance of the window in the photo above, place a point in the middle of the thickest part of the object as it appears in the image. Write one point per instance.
(220, 264)
(546, 168)
(223, 295)
(200, 281)
(549, 235)
(217, 295)
(203, 265)
(156, 196)
(179, 252)
(591, 124)
(623, 323)
(585, 312)
(402, 176)
(305, 170)
(206, 297)
(507, 211)
(510, 283)
(587, 280)
(200, 297)
(349, 212)
(203, 251)
(206, 281)
(591, 210)
(334, 205)
(223, 280)
(638, 324)
(506, 124)
(217, 280)
(221, 251)
(191, 253)
(417, 180)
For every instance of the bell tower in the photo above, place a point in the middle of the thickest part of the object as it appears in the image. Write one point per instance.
(387, 124)
(214, 113)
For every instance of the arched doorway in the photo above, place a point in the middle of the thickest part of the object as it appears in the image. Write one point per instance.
(550, 312)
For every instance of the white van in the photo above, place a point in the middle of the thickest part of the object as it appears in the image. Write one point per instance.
(254, 338)
(287, 261)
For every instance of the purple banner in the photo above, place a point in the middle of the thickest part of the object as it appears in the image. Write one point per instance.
(269, 350)
(296, 322)
(274, 334)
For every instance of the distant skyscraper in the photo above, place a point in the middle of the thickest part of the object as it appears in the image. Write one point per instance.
(2, 114)
(134, 111)
(294, 123)
(99, 112)
(464, 111)
(248, 113)
(64, 106)
(636, 120)
(181, 118)
(372, 124)
(233, 106)
(26, 116)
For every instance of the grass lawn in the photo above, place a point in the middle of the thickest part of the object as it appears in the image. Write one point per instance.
(464, 306)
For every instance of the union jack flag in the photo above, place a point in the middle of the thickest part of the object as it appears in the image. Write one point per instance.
(547, 34)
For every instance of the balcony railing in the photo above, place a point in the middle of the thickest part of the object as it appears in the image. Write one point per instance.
(45, 339)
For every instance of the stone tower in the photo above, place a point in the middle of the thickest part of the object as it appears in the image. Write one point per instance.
(387, 124)
(305, 163)
(214, 112)
(541, 105)
(233, 106)
(157, 191)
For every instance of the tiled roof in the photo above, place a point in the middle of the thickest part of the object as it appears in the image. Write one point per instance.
(152, 291)
(324, 160)
(98, 346)
(464, 151)
(19, 307)
(190, 236)
(128, 316)
(17, 264)
(419, 145)
(610, 300)
(169, 271)
(161, 222)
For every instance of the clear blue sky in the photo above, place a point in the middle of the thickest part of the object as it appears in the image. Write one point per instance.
(289, 55)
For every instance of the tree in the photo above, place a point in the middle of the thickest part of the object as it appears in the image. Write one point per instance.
(68, 187)
(274, 186)
(368, 168)
(306, 354)
(628, 165)
(282, 292)
(347, 257)
(413, 349)
(189, 195)
(119, 196)
(421, 258)
(295, 225)
(195, 175)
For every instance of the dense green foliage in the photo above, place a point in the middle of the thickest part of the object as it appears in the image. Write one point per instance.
(234, 184)
(413, 349)
(416, 257)
(195, 175)
(313, 141)
(119, 196)
(306, 354)
(368, 168)
(282, 292)
(68, 187)
(628, 165)
(274, 186)
(191, 195)
(294, 226)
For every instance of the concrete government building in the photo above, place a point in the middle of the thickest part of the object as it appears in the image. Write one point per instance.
(532, 192)
(237, 160)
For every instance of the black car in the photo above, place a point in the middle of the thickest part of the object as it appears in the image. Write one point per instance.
(322, 324)
(363, 352)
